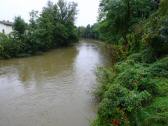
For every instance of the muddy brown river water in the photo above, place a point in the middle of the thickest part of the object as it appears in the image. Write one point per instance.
(53, 89)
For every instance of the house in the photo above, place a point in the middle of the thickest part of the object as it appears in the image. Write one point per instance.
(5, 27)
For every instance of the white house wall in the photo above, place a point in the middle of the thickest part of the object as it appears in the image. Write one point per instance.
(7, 29)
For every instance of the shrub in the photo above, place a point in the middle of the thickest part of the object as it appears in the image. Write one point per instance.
(127, 88)
(156, 114)
(156, 35)
(159, 68)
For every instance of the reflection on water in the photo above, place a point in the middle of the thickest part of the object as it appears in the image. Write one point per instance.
(52, 89)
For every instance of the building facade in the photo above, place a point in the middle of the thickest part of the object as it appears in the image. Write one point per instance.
(5, 27)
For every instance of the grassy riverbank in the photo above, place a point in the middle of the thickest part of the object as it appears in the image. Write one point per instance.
(133, 92)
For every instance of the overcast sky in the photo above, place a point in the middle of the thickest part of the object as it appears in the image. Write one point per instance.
(87, 9)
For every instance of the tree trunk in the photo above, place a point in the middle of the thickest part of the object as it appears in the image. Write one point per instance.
(125, 41)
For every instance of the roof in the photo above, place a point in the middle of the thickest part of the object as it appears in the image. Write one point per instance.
(6, 23)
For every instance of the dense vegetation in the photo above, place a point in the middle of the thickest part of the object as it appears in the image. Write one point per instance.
(133, 92)
(53, 27)
(89, 32)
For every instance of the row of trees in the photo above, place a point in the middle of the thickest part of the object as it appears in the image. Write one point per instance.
(53, 27)
(89, 32)
(117, 19)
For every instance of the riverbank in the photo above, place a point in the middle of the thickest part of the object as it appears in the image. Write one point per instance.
(133, 92)
(14, 48)
(43, 32)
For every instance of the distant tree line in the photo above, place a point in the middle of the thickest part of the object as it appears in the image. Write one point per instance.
(89, 32)
(52, 28)
(117, 18)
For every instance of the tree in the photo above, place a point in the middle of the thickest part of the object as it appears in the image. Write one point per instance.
(56, 23)
(33, 19)
(19, 25)
(118, 16)
(89, 32)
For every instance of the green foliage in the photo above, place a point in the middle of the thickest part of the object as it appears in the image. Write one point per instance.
(89, 32)
(129, 88)
(9, 48)
(156, 114)
(156, 31)
(19, 25)
(157, 35)
(104, 75)
(116, 53)
(160, 68)
(163, 7)
(53, 28)
(143, 56)
(134, 91)
(117, 17)
(56, 24)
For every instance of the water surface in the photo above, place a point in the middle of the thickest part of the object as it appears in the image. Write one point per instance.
(53, 89)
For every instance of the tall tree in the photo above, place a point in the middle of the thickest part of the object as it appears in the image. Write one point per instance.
(118, 16)
(19, 25)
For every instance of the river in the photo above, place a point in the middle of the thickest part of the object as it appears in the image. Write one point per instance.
(52, 89)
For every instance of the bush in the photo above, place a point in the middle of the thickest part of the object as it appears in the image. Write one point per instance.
(144, 56)
(156, 35)
(8, 47)
(159, 68)
(129, 87)
(156, 114)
